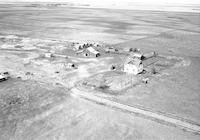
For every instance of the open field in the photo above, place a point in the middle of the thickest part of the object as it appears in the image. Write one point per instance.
(31, 110)
(40, 99)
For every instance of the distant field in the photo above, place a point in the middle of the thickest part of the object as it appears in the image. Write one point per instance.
(104, 25)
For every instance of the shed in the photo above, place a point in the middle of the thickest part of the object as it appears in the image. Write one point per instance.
(78, 46)
(71, 66)
(111, 50)
(66, 66)
(49, 55)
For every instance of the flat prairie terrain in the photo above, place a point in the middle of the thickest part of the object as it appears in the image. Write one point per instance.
(32, 110)
(37, 103)
(106, 25)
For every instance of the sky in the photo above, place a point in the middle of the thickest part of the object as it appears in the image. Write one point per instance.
(103, 2)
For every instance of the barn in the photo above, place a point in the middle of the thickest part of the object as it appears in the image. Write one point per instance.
(89, 52)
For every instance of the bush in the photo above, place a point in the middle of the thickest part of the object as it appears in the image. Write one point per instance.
(153, 70)
(103, 87)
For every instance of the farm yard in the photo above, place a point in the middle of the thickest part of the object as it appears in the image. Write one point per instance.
(94, 73)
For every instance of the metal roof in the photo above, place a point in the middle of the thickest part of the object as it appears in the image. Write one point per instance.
(92, 50)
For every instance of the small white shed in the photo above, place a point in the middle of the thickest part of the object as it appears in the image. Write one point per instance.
(49, 55)
(78, 46)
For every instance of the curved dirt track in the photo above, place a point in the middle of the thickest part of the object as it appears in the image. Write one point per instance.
(158, 117)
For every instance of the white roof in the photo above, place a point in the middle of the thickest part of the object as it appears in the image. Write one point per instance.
(133, 61)
(136, 54)
(92, 50)
(1, 76)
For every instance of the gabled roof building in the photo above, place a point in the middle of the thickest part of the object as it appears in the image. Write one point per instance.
(133, 66)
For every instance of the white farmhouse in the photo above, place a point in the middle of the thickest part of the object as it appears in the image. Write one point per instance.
(133, 66)
(138, 55)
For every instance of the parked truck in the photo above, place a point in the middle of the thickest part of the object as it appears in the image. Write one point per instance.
(4, 76)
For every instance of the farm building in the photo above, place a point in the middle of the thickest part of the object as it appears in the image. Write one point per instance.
(133, 66)
(111, 50)
(89, 52)
(138, 55)
(48, 55)
(77, 46)
(150, 55)
(96, 45)
(71, 66)
(66, 66)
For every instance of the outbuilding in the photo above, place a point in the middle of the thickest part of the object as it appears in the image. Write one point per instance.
(49, 55)
(71, 66)
(77, 46)
(111, 50)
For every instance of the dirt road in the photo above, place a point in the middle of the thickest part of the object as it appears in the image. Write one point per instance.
(155, 116)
